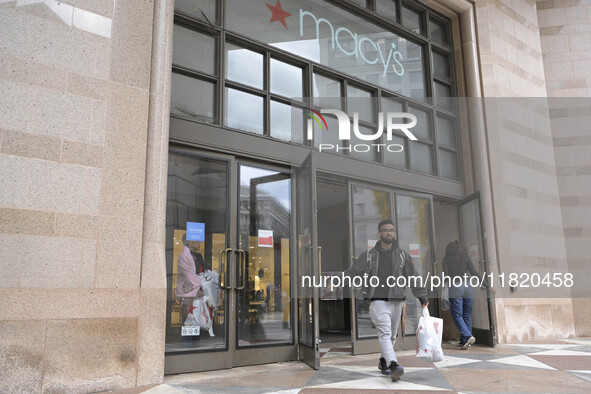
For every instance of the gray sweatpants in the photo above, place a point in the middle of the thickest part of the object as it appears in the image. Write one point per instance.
(385, 315)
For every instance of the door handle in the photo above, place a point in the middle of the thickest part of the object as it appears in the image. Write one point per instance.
(223, 269)
(242, 268)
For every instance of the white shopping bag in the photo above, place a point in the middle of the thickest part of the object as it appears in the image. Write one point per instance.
(429, 334)
(200, 315)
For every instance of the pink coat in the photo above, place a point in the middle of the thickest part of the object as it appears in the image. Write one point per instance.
(187, 281)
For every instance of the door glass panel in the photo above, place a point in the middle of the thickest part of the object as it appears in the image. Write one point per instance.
(472, 237)
(413, 217)
(198, 195)
(263, 306)
(369, 208)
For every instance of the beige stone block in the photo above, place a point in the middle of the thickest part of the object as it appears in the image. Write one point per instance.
(76, 226)
(153, 265)
(90, 87)
(11, 259)
(576, 15)
(36, 146)
(552, 17)
(151, 336)
(582, 69)
(579, 42)
(63, 115)
(21, 355)
(22, 221)
(90, 355)
(63, 187)
(561, 71)
(582, 313)
(554, 44)
(47, 304)
(100, 7)
(51, 262)
(82, 154)
(132, 43)
(14, 181)
(119, 253)
(17, 101)
(31, 73)
(99, 123)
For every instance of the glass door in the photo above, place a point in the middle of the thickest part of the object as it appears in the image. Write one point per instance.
(228, 232)
(473, 236)
(412, 213)
(308, 263)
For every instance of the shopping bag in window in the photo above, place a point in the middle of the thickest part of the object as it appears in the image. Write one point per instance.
(200, 315)
(429, 335)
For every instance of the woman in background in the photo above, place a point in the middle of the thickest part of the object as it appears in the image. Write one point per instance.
(456, 263)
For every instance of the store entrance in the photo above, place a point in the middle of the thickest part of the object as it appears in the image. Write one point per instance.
(229, 265)
(333, 238)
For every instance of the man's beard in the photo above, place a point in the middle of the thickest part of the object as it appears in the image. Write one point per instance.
(388, 241)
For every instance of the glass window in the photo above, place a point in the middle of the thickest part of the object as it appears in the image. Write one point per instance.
(412, 81)
(386, 9)
(390, 104)
(287, 123)
(448, 164)
(441, 65)
(327, 92)
(362, 102)
(393, 155)
(421, 157)
(411, 19)
(446, 134)
(244, 111)
(328, 135)
(192, 99)
(362, 149)
(423, 128)
(361, 3)
(198, 9)
(331, 36)
(443, 98)
(438, 32)
(193, 50)
(244, 66)
(286, 79)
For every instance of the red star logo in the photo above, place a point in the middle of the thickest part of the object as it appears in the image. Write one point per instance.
(278, 14)
(193, 307)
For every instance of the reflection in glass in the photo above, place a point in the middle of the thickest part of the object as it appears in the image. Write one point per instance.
(362, 102)
(370, 206)
(198, 9)
(328, 136)
(327, 92)
(193, 50)
(438, 32)
(423, 128)
(192, 99)
(263, 306)
(287, 122)
(443, 98)
(361, 48)
(421, 157)
(244, 66)
(396, 159)
(197, 192)
(414, 223)
(244, 111)
(390, 104)
(286, 79)
(448, 164)
(411, 19)
(441, 65)
(446, 134)
(362, 149)
(386, 9)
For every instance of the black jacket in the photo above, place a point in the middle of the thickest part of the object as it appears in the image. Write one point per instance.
(402, 266)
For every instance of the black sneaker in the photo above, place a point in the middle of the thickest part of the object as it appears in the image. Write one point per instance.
(396, 371)
(383, 367)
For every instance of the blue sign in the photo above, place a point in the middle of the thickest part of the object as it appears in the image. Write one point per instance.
(195, 231)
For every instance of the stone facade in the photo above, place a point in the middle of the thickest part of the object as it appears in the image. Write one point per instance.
(85, 90)
(565, 30)
(82, 276)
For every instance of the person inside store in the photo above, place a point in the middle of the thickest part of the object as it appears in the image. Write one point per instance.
(457, 263)
(387, 259)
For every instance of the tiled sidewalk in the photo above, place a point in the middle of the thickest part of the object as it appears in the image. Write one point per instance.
(557, 366)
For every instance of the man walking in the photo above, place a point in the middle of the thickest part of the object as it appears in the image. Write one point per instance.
(387, 260)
